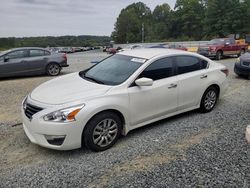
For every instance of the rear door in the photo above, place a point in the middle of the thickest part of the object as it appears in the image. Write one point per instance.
(149, 102)
(37, 60)
(192, 80)
(14, 63)
(235, 47)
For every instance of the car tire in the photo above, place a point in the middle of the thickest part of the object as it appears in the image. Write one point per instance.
(243, 76)
(53, 69)
(209, 99)
(102, 131)
(219, 55)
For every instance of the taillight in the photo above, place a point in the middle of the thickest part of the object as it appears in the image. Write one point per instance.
(65, 56)
(226, 71)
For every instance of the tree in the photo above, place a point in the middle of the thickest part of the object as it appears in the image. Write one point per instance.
(161, 21)
(189, 15)
(128, 27)
(226, 17)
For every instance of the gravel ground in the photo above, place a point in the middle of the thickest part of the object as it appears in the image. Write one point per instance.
(188, 150)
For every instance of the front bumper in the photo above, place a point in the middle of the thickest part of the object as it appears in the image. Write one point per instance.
(64, 64)
(241, 70)
(38, 131)
(207, 53)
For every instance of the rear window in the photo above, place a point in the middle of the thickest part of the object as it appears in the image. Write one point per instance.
(186, 64)
(35, 53)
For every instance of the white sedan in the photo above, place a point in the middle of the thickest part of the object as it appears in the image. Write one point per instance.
(123, 92)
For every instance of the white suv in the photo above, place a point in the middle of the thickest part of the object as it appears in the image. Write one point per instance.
(123, 92)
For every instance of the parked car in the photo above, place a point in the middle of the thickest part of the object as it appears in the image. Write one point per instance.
(123, 92)
(159, 46)
(218, 48)
(171, 46)
(242, 66)
(111, 50)
(131, 47)
(177, 47)
(248, 133)
(31, 61)
(66, 50)
(77, 49)
(53, 49)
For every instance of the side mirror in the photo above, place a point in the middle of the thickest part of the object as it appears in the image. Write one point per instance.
(227, 43)
(144, 82)
(6, 59)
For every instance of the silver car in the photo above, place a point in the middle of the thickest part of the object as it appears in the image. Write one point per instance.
(31, 61)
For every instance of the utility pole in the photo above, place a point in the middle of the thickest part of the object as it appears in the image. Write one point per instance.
(142, 32)
(142, 28)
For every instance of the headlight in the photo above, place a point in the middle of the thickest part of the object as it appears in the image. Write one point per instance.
(213, 48)
(25, 103)
(238, 60)
(64, 115)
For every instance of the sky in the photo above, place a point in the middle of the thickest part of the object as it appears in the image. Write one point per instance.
(26, 18)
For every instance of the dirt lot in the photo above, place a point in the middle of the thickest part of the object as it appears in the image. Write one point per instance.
(188, 150)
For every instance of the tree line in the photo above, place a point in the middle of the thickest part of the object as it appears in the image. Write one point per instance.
(188, 20)
(76, 41)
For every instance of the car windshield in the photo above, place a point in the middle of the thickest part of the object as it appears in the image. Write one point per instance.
(113, 70)
(216, 41)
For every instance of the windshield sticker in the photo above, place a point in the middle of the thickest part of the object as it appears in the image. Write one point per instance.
(139, 60)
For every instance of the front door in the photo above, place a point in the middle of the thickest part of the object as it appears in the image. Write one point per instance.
(149, 102)
(14, 63)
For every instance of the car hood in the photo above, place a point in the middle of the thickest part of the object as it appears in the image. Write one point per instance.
(68, 88)
(210, 46)
(245, 57)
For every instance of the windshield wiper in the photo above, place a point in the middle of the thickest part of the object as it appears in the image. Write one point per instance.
(93, 79)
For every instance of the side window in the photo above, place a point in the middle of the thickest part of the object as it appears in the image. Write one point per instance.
(17, 54)
(162, 68)
(232, 41)
(203, 63)
(187, 64)
(35, 53)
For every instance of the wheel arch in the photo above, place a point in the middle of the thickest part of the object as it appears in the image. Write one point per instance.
(220, 50)
(211, 85)
(115, 111)
(216, 86)
(201, 106)
(52, 62)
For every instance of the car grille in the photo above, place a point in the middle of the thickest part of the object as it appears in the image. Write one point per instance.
(203, 50)
(30, 110)
(246, 63)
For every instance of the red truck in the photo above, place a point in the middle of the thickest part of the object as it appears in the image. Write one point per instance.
(218, 48)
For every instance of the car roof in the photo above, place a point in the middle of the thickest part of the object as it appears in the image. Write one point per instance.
(21, 48)
(149, 53)
(27, 48)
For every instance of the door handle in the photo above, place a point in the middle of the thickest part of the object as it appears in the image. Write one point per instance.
(172, 86)
(203, 76)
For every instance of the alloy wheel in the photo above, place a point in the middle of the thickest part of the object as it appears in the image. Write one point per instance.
(54, 69)
(210, 99)
(105, 132)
